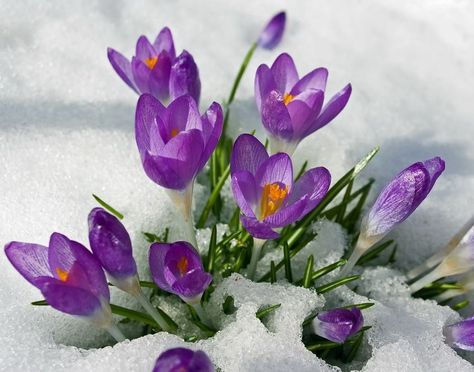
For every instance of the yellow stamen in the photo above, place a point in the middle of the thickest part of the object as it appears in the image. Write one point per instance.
(62, 274)
(287, 98)
(273, 196)
(182, 265)
(151, 62)
(174, 132)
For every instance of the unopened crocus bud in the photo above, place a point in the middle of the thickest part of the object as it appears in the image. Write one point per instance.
(460, 335)
(110, 243)
(177, 268)
(272, 34)
(338, 325)
(397, 201)
(182, 359)
(184, 77)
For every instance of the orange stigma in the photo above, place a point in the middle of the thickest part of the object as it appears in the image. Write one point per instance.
(182, 265)
(62, 274)
(174, 132)
(151, 62)
(273, 196)
(287, 98)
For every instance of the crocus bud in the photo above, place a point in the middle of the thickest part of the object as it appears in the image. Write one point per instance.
(177, 268)
(272, 34)
(184, 77)
(110, 243)
(182, 359)
(338, 325)
(67, 274)
(460, 335)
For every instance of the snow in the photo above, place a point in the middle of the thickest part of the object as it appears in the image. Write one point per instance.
(66, 131)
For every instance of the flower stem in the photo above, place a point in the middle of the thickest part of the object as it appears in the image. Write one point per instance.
(424, 281)
(447, 295)
(347, 268)
(116, 333)
(150, 309)
(257, 249)
(200, 312)
(183, 199)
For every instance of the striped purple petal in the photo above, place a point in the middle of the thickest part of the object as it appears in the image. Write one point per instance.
(272, 34)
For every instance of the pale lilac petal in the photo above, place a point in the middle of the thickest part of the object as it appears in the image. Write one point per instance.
(248, 154)
(164, 42)
(315, 79)
(461, 334)
(146, 129)
(245, 192)
(276, 169)
(275, 116)
(156, 259)
(183, 114)
(434, 167)
(258, 229)
(264, 84)
(160, 77)
(184, 77)
(141, 75)
(303, 110)
(144, 49)
(338, 325)
(212, 122)
(284, 73)
(272, 34)
(122, 67)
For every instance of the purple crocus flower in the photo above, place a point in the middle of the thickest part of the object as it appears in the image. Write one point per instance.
(155, 69)
(177, 268)
(182, 359)
(264, 190)
(460, 335)
(67, 274)
(272, 34)
(338, 325)
(292, 108)
(397, 201)
(111, 244)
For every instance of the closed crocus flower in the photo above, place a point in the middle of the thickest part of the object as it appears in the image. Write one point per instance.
(151, 69)
(460, 335)
(397, 201)
(177, 268)
(338, 325)
(69, 277)
(175, 143)
(292, 108)
(272, 34)
(182, 359)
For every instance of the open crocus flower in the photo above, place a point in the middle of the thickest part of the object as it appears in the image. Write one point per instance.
(177, 268)
(182, 359)
(397, 201)
(292, 108)
(272, 34)
(155, 69)
(460, 335)
(175, 143)
(69, 277)
(338, 325)
(264, 190)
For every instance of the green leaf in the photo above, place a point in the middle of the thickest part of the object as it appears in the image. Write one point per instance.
(273, 274)
(108, 207)
(308, 273)
(206, 329)
(242, 69)
(228, 305)
(460, 305)
(374, 252)
(333, 285)
(135, 315)
(302, 170)
(263, 312)
(345, 200)
(40, 303)
(211, 254)
(327, 269)
(153, 238)
(361, 306)
(286, 259)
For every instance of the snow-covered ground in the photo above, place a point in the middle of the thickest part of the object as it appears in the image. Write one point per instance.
(66, 131)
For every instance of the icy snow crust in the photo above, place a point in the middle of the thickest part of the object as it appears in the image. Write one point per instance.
(66, 131)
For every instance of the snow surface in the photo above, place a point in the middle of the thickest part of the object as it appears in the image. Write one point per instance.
(66, 131)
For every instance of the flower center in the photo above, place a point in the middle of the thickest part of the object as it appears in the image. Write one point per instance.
(62, 274)
(273, 196)
(287, 98)
(174, 132)
(182, 266)
(151, 62)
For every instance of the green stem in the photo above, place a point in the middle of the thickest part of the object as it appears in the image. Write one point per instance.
(116, 333)
(153, 312)
(256, 250)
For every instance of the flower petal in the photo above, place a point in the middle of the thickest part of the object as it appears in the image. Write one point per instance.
(275, 117)
(147, 133)
(160, 77)
(144, 49)
(122, 67)
(271, 35)
(212, 122)
(156, 260)
(184, 77)
(264, 84)
(258, 229)
(248, 154)
(245, 192)
(276, 169)
(435, 167)
(284, 73)
(183, 114)
(164, 42)
(287, 214)
(303, 110)
(192, 284)
(315, 79)
(141, 75)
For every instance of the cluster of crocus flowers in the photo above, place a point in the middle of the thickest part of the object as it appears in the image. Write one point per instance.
(338, 325)
(69, 276)
(175, 142)
(181, 359)
(177, 268)
(397, 201)
(292, 108)
(459, 260)
(155, 69)
(460, 335)
(266, 193)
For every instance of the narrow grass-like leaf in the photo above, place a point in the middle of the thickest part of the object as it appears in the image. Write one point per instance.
(327, 269)
(345, 200)
(112, 210)
(460, 305)
(240, 261)
(354, 347)
(228, 239)
(206, 329)
(273, 273)
(361, 306)
(392, 258)
(308, 273)
(302, 170)
(374, 252)
(40, 303)
(146, 284)
(211, 253)
(261, 313)
(333, 285)
(287, 261)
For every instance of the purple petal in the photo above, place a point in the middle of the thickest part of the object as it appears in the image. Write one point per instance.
(316, 79)
(286, 215)
(146, 130)
(192, 284)
(435, 167)
(68, 299)
(313, 186)
(122, 67)
(248, 154)
(212, 122)
(30, 260)
(338, 325)
(181, 359)
(271, 35)
(160, 77)
(178, 251)
(156, 259)
(258, 229)
(461, 334)
(276, 169)
(184, 77)
(111, 244)
(303, 110)
(245, 192)
(264, 84)
(164, 42)
(332, 109)
(141, 75)
(182, 114)
(275, 117)
(284, 73)
(144, 49)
